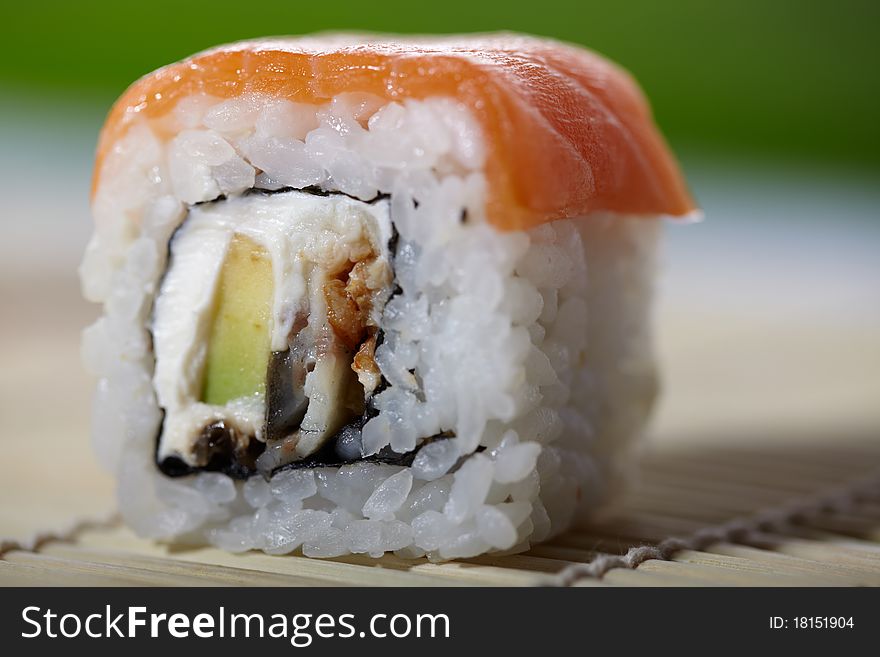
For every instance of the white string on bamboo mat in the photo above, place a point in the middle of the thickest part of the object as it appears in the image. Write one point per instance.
(746, 530)
(65, 535)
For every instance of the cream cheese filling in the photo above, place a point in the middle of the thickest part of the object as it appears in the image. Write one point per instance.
(307, 237)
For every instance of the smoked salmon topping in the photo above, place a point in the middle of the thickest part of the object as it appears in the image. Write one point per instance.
(567, 132)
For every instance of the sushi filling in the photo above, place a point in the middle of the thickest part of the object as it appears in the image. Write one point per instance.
(265, 329)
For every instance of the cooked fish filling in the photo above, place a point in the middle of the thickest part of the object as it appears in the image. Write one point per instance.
(272, 355)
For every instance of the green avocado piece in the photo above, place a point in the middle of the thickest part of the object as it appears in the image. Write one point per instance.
(239, 342)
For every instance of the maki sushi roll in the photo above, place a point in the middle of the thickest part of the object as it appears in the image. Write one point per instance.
(365, 295)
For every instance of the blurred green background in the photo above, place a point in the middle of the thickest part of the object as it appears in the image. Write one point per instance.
(793, 77)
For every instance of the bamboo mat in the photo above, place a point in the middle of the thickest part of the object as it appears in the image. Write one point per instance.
(681, 492)
(760, 411)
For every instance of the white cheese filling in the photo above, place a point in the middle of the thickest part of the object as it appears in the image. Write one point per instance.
(305, 236)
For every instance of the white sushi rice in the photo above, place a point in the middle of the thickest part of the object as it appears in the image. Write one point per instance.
(532, 347)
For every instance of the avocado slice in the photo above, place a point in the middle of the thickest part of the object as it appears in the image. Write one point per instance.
(239, 342)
